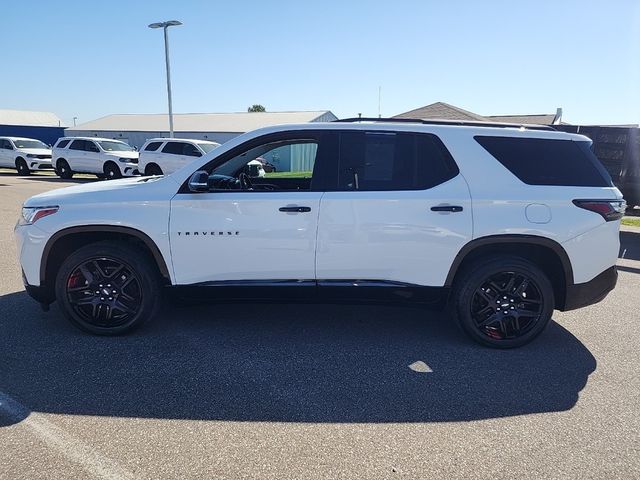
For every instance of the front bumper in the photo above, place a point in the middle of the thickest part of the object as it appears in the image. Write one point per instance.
(130, 169)
(583, 294)
(39, 164)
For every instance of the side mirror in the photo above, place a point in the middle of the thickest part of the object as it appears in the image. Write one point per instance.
(199, 182)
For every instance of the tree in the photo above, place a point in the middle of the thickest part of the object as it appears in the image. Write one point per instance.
(256, 108)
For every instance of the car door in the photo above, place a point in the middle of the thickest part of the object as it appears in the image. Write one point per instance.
(173, 156)
(6, 151)
(263, 235)
(400, 213)
(94, 158)
(76, 155)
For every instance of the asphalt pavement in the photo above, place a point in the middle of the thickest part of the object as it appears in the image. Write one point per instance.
(313, 391)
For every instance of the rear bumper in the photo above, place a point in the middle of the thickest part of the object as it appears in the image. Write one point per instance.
(583, 294)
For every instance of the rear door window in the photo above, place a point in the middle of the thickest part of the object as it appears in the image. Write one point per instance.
(543, 161)
(174, 148)
(379, 161)
(78, 145)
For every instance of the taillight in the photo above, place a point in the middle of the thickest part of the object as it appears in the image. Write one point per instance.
(610, 210)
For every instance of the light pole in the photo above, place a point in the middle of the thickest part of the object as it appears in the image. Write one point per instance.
(165, 25)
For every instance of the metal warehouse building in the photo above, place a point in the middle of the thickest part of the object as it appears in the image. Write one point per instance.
(135, 129)
(43, 126)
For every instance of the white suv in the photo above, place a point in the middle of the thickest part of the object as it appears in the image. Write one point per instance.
(162, 156)
(104, 157)
(24, 154)
(507, 222)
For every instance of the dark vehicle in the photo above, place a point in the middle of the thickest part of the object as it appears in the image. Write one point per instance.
(618, 149)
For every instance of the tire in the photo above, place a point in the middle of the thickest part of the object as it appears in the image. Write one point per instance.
(107, 288)
(112, 171)
(22, 167)
(152, 169)
(494, 306)
(63, 170)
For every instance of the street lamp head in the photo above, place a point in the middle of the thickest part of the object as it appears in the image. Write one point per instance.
(170, 23)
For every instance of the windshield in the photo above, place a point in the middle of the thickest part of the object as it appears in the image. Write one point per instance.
(115, 147)
(30, 144)
(207, 147)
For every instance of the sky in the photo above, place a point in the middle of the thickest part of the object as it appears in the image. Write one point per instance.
(87, 59)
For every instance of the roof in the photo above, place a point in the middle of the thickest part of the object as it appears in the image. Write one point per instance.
(98, 139)
(441, 110)
(174, 139)
(24, 117)
(444, 111)
(539, 119)
(201, 122)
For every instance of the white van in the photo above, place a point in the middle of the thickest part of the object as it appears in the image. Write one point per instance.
(104, 157)
(162, 156)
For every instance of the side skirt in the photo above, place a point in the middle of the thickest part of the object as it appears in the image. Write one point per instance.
(309, 291)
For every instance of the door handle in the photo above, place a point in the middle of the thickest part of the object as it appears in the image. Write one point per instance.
(447, 208)
(295, 209)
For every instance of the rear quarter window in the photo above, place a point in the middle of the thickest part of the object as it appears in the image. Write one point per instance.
(62, 143)
(543, 161)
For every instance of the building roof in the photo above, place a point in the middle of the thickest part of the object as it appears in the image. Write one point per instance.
(25, 117)
(538, 119)
(201, 122)
(441, 110)
(444, 111)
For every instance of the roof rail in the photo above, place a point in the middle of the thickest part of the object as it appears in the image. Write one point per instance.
(445, 122)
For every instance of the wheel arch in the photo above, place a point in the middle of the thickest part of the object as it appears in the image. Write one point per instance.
(546, 253)
(67, 240)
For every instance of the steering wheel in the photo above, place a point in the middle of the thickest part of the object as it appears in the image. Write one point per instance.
(245, 181)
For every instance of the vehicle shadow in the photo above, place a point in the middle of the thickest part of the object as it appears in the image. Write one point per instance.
(284, 363)
(629, 245)
(56, 179)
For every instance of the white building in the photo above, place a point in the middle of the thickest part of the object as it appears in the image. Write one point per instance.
(135, 129)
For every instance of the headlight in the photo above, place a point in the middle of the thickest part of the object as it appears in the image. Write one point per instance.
(33, 214)
(124, 160)
(31, 155)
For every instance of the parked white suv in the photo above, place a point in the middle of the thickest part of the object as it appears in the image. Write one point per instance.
(162, 156)
(507, 222)
(104, 157)
(24, 154)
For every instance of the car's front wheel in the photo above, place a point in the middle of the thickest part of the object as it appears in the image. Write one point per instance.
(22, 167)
(152, 169)
(64, 170)
(106, 288)
(112, 171)
(502, 301)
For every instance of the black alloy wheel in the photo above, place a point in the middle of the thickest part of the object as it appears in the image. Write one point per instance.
(506, 306)
(153, 170)
(502, 301)
(104, 292)
(22, 167)
(111, 171)
(63, 170)
(108, 288)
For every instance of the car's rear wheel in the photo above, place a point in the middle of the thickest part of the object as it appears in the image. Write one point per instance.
(112, 171)
(152, 170)
(22, 167)
(108, 289)
(502, 301)
(63, 170)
